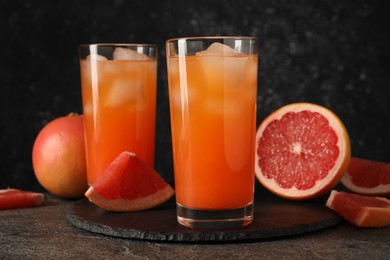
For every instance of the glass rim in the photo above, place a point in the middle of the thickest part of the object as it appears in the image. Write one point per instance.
(199, 38)
(118, 45)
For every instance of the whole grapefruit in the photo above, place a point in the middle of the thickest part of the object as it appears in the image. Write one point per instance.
(58, 157)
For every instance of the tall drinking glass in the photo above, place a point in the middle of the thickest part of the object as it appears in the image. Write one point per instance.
(118, 83)
(212, 95)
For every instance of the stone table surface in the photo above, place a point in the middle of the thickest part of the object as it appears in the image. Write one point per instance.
(44, 233)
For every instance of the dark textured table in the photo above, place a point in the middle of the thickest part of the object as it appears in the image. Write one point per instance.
(45, 233)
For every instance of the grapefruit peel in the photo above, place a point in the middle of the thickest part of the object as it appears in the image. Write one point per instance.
(321, 185)
(129, 184)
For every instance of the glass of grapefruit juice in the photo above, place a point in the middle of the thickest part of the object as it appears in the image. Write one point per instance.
(212, 94)
(118, 84)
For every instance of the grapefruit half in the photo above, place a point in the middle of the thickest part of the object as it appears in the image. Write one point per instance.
(302, 151)
(363, 211)
(129, 184)
(367, 177)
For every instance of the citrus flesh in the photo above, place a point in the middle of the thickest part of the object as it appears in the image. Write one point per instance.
(367, 177)
(302, 151)
(129, 184)
(361, 210)
(14, 198)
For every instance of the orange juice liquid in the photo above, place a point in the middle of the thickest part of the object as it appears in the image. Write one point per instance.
(213, 120)
(119, 104)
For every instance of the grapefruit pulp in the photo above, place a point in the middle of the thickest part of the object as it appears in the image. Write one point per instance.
(367, 177)
(302, 151)
(129, 184)
(363, 211)
(14, 198)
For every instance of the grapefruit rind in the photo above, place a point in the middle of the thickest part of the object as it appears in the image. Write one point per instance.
(335, 174)
(357, 213)
(122, 205)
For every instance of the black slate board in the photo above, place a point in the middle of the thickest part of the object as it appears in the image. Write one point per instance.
(274, 218)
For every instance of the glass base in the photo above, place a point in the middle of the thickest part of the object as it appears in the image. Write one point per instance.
(214, 219)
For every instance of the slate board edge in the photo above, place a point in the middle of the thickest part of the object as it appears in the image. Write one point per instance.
(216, 236)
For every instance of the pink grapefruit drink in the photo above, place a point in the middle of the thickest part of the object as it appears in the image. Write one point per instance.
(119, 103)
(213, 96)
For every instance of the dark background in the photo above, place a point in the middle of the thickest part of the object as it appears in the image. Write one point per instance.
(333, 53)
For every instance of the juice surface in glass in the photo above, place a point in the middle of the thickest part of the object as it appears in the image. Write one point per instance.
(213, 120)
(119, 104)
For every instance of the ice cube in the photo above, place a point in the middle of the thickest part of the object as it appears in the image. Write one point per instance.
(219, 49)
(223, 64)
(126, 91)
(127, 54)
(216, 106)
(95, 56)
(182, 97)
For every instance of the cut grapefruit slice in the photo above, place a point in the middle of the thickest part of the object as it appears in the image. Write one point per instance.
(367, 177)
(363, 211)
(14, 198)
(302, 151)
(129, 184)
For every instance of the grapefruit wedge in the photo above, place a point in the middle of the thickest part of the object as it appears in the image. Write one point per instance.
(367, 177)
(129, 184)
(14, 198)
(361, 210)
(302, 151)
